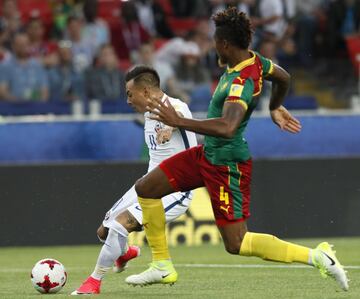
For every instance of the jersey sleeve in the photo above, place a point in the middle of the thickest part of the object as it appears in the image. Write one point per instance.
(267, 66)
(241, 92)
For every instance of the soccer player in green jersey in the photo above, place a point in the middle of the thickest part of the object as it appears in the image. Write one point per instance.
(223, 164)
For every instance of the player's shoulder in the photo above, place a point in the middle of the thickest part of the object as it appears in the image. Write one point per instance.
(253, 70)
(177, 103)
(180, 106)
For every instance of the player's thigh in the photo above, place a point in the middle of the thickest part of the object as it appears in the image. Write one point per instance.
(128, 199)
(153, 185)
(229, 190)
(177, 173)
(176, 204)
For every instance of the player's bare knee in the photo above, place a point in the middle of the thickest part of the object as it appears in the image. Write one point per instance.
(233, 247)
(102, 232)
(128, 221)
(140, 188)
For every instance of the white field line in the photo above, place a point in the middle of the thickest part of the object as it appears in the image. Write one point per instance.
(228, 266)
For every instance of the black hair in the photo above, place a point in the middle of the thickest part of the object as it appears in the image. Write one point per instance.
(143, 74)
(233, 26)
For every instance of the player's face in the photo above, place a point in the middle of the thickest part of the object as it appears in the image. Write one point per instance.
(136, 96)
(220, 47)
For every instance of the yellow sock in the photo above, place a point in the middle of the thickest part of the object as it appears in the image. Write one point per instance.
(269, 247)
(154, 225)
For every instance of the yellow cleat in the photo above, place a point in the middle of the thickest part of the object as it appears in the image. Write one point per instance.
(324, 259)
(159, 272)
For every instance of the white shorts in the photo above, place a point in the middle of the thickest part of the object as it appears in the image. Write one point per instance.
(175, 204)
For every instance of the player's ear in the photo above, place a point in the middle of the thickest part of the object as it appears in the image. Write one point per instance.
(146, 92)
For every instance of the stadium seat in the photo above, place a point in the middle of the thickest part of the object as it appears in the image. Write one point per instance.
(109, 10)
(294, 102)
(353, 46)
(180, 26)
(35, 9)
(166, 6)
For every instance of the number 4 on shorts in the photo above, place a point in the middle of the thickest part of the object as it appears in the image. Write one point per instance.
(224, 196)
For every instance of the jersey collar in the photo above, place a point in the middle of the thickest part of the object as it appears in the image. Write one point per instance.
(243, 64)
(163, 99)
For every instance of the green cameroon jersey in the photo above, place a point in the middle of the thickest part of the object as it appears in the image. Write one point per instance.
(240, 84)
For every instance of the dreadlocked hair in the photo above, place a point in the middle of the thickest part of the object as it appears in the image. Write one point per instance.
(233, 26)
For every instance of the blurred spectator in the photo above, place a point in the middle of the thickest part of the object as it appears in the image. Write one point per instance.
(190, 75)
(83, 53)
(170, 52)
(11, 18)
(132, 33)
(105, 81)
(95, 31)
(152, 17)
(4, 52)
(65, 82)
(272, 19)
(39, 46)
(168, 81)
(203, 37)
(62, 10)
(183, 8)
(309, 16)
(343, 20)
(22, 77)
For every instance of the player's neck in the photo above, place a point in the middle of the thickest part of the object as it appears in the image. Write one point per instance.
(158, 94)
(238, 57)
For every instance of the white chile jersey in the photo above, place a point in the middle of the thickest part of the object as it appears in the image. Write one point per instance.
(179, 141)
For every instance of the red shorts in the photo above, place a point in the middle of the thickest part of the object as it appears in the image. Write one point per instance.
(228, 185)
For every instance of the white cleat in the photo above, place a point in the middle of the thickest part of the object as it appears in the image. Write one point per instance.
(162, 272)
(323, 258)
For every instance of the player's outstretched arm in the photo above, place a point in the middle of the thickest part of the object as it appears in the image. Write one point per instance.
(224, 126)
(279, 114)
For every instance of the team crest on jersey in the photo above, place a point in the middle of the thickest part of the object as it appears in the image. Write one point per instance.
(158, 126)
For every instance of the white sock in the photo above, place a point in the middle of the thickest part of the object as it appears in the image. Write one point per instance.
(115, 245)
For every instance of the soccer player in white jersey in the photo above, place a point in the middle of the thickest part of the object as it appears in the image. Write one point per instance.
(142, 85)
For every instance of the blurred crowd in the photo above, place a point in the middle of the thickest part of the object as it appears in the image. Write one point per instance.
(63, 50)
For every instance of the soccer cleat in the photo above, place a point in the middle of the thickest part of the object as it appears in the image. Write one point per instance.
(121, 262)
(89, 286)
(323, 258)
(162, 272)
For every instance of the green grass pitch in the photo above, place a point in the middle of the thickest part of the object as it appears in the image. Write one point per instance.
(204, 272)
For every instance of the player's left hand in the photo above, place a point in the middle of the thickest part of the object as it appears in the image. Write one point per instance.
(284, 119)
(163, 112)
